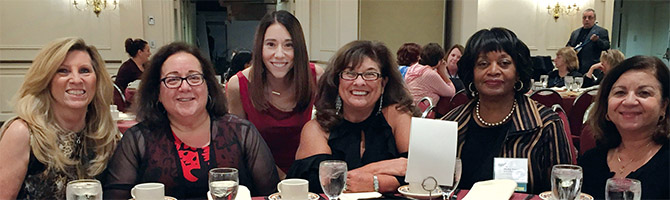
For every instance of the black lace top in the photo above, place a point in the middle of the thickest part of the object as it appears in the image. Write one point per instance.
(345, 144)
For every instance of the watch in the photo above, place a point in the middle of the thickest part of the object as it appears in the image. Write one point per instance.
(375, 181)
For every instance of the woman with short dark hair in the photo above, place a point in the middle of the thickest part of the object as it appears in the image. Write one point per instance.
(430, 78)
(408, 56)
(500, 121)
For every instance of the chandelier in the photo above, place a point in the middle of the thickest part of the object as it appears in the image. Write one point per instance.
(559, 9)
(95, 5)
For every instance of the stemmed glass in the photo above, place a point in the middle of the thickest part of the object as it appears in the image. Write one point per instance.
(223, 183)
(333, 177)
(544, 79)
(448, 191)
(567, 80)
(623, 188)
(579, 81)
(83, 189)
(566, 181)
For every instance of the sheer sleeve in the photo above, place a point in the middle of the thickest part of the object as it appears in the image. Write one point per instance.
(124, 166)
(308, 169)
(259, 159)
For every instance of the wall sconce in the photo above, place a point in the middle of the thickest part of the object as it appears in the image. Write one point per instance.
(559, 9)
(96, 5)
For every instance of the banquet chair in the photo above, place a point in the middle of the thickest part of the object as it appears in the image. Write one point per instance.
(444, 106)
(547, 97)
(426, 108)
(119, 98)
(576, 115)
(566, 125)
(587, 141)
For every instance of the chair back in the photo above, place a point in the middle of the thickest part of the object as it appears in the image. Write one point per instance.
(119, 98)
(566, 126)
(576, 115)
(426, 107)
(447, 104)
(547, 97)
(587, 141)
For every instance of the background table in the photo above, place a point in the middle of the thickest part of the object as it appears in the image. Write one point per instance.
(460, 195)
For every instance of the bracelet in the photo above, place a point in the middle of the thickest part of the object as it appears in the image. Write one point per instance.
(375, 181)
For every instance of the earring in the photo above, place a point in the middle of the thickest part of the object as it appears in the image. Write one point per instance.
(662, 117)
(338, 105)
(520, 88)
(473, 91)
(210, 103)
(381, 101)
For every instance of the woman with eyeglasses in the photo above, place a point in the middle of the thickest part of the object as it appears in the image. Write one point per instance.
(184, 131)
(363, 118)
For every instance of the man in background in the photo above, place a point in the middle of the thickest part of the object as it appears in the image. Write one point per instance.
(589, 41)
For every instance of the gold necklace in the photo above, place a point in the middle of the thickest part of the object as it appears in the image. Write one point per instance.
(622, 167)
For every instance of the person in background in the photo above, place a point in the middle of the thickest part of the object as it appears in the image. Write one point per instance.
(430, 78)
(408, 56)
(180, 84)
(608, 59)
(283, 86)
(631, 125)
(453, 56)
(131, 69)
(241, 60)
(363, 118)
(500, 120)
(63, 130)
(589, 40)
(567, 64)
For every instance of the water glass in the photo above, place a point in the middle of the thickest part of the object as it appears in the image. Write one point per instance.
(448, 191)
(623, 188)
(568, 80)
(544, 79)
(566, 181)
(333, 177)
(223, 183)
(579, 81)
(86, 189)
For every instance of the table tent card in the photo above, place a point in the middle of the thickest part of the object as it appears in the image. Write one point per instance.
(432, 151)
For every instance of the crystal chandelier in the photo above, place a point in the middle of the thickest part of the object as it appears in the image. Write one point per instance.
(95, 5)
(559, 9)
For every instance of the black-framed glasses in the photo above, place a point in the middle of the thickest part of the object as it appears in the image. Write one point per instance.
(176, 81)
(351, 75)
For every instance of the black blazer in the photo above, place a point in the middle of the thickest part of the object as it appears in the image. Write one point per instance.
(590, 52)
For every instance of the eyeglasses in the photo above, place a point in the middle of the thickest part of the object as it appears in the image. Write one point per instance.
(368, 76)
(173, 82)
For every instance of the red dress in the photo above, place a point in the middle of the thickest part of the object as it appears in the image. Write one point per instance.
(281, 130)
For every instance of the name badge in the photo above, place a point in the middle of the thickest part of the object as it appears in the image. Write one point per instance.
(513, 169)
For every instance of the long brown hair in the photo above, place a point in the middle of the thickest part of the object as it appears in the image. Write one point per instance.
(300, 74)
(352, 54)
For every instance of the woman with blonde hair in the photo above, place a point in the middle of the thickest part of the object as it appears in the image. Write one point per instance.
(63, 130)
(608, 59)
(567, 64)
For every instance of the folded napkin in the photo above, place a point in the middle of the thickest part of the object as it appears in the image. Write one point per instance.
(360, 195)
(243, 193)
(491, 190)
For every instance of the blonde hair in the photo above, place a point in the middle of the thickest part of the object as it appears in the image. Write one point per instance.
(612, 56)
(570, 57)
(34, 101)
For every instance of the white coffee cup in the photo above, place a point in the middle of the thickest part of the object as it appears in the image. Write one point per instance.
(148, 191)
(293, 189)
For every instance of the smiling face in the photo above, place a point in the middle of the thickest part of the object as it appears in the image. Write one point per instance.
(278, 50)
(495, 74)
(635, 103)
(361, 94)
(73, 85)
(452, 59)
(185, 101)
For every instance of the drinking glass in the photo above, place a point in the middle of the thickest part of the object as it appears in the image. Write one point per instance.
(579, 81)
(566, 181)
(544, 79)
(623, 188)
(568, 80)
(448, 191)
(223, 183)
(333, 177)
(88, 189)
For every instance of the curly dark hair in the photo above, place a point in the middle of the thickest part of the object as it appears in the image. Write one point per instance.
(353, 54)
(431, 54)
(150, 110)
(408, 54)
(496, 39)
(604, 131)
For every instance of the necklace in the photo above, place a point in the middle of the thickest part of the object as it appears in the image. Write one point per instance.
(622, 167)
(497, 123)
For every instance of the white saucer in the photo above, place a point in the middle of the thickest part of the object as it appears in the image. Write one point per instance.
(166, 198)
(276, 196)
(548, 196)
(404, 190)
